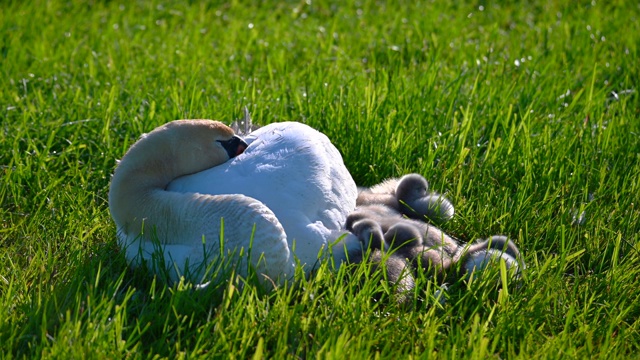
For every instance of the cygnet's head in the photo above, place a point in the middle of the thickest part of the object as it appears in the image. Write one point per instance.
(412, 187)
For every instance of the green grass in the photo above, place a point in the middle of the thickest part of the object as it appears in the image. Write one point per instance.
(504, 106)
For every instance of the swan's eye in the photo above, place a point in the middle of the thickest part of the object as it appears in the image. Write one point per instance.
(234, 146)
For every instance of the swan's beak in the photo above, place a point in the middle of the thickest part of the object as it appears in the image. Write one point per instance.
(234, 146)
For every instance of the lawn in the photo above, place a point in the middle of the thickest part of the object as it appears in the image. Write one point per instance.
(527, 115)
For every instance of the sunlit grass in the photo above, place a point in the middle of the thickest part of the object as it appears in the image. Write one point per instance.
(526, 115)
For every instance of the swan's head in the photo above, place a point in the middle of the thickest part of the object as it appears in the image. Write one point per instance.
(172, 150)
(196, 145)
(184, 147)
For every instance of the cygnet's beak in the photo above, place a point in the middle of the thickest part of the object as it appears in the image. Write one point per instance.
(234, 146)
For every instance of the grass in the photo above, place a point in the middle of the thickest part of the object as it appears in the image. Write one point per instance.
(506, 107)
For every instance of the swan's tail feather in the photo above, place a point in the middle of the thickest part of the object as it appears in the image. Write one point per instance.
(244, 126)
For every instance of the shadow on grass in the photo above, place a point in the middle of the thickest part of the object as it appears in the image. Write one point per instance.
(98, 304)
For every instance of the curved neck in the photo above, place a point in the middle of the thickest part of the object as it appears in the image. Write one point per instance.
(136, 180)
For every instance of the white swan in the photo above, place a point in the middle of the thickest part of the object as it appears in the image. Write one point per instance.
(287, 195)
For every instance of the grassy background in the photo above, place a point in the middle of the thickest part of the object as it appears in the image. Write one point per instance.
(506, 107)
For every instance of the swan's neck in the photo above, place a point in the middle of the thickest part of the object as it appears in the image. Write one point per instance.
(137, 189)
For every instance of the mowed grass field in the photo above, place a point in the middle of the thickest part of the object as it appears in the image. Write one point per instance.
(527, 115)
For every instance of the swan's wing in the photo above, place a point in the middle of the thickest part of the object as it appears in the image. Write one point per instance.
(207, 226)
(311, 168)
